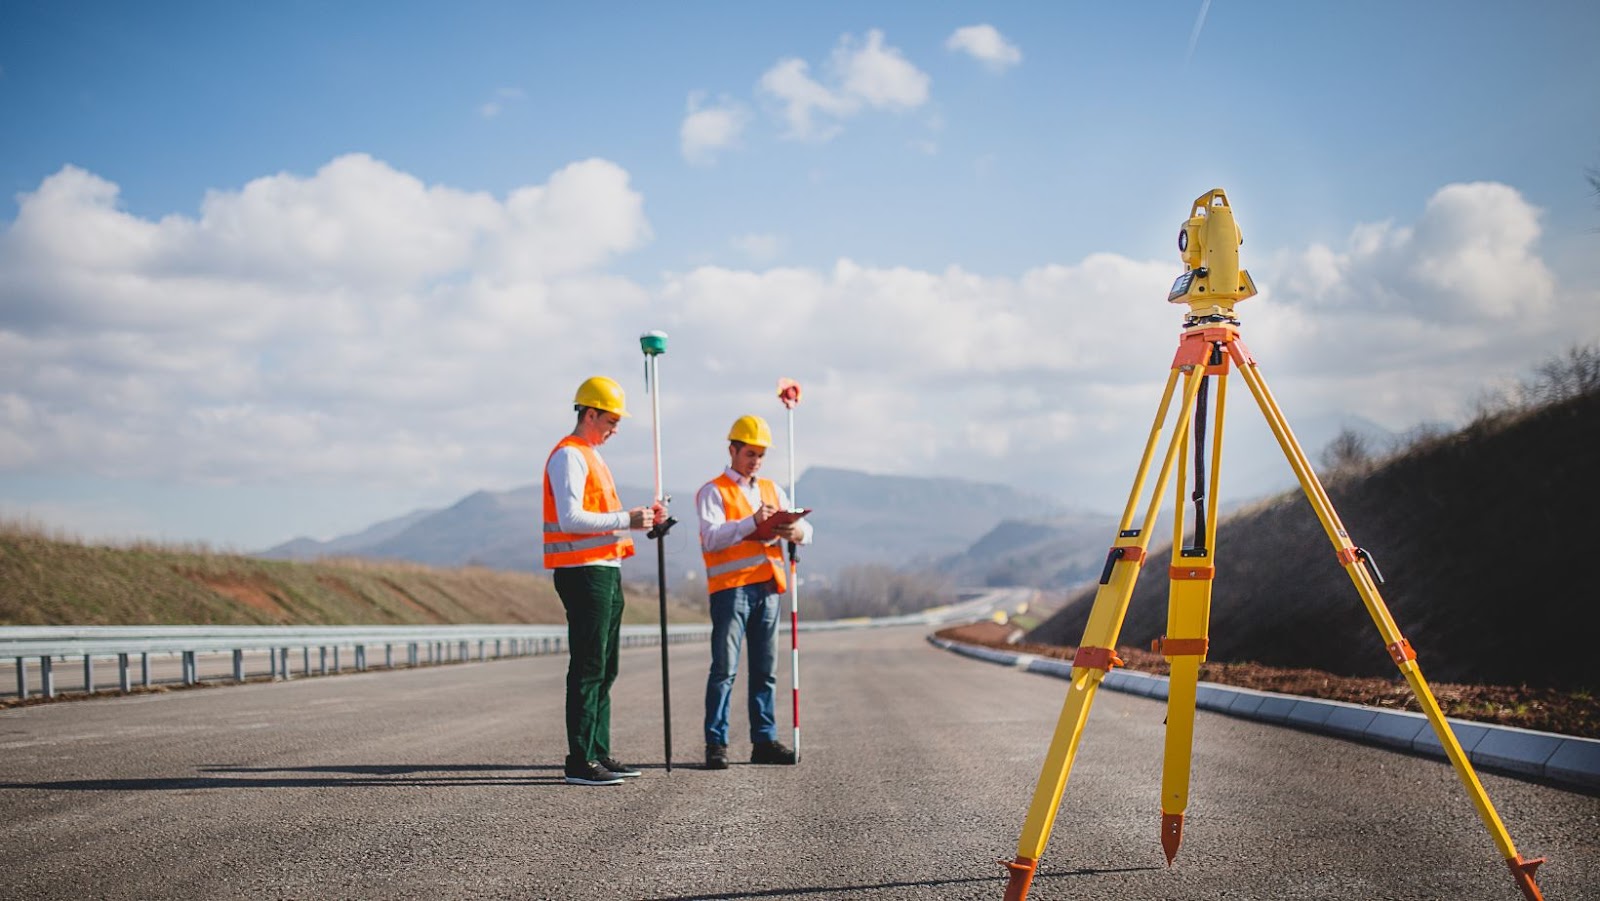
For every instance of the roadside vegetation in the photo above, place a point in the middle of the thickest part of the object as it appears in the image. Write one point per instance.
(1473, 529)
(53, 579)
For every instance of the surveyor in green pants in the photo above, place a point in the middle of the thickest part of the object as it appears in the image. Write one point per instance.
(585, 541)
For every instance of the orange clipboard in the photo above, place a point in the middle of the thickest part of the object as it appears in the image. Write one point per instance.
(764, 529)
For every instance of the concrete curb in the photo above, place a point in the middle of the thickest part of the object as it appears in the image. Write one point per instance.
(1560, 759)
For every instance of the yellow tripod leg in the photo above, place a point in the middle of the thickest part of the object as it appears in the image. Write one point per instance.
(1191, 574)
(1354, 560)
(1096, 652)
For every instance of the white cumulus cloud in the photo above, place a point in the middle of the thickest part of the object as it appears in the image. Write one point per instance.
(359, 325)
(861, 74)
(709, 129)
(355, 323)
(986, 44)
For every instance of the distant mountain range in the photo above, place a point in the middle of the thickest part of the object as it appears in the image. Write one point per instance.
(975, 533)
(859, 518)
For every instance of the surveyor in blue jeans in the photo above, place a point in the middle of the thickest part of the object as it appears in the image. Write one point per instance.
(746, 575)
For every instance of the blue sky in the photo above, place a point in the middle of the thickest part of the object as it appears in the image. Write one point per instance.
(289, 268)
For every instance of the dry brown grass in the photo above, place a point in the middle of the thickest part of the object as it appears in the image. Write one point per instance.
(47, 578)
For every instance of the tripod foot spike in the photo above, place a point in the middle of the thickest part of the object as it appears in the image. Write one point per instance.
(1522, 872)
(1171, 834)
(1022, 870)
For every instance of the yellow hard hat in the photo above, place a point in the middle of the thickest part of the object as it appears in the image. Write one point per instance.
(751, 430)
(602, 394)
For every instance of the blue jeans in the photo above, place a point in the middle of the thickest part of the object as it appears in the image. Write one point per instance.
(748, 610)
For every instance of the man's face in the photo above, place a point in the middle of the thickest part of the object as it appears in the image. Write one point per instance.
(746, 458)
(602, 426)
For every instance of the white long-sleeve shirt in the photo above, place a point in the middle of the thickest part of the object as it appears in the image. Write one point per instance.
(568, 471)
(716, 532)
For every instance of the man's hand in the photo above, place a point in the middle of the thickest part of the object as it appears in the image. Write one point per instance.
(790, 532)
(659, 508)
(641, 517)
(764, 511)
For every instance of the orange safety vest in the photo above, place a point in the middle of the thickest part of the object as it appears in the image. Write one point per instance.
(599, 496)
(749, 562)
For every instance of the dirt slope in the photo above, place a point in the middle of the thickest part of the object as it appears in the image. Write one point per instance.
(49, 581)
(1475, 532)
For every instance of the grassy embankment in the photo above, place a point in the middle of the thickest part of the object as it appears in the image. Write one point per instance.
(56, 580)
(1477, 531)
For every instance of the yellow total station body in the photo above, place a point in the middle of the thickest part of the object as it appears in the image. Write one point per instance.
(1209, 241)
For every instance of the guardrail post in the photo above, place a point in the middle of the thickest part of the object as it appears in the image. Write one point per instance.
(238, 665)
(480, 649)
(305, 661)
(411, 653)
(122, 674)
(272, 663)
(47, 677)
(144, 669)
(22, 678)
(88, 674)
(322, 661)
(361, 657)
(336, 658)
(191, 672)
(283, 663)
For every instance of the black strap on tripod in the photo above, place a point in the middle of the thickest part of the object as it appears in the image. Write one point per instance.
(1198, 549)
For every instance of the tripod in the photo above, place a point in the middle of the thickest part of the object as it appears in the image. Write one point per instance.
(1209, 346)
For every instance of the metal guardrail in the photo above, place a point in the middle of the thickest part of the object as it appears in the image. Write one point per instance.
(421, 645)
(132, 646)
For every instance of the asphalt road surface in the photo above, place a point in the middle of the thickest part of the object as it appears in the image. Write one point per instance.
(917, 770)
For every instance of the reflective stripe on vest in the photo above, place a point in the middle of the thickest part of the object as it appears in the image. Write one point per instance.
(599, 496)
(748, 562)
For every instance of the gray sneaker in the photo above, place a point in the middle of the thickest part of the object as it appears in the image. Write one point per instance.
(591, 773)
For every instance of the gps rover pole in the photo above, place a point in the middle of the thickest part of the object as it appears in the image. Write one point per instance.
(654, 344)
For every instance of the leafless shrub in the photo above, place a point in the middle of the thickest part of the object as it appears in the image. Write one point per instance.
(1573, 373)
(1348, 452)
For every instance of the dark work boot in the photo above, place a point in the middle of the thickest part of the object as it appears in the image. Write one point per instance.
(771, 752)
(716, 757)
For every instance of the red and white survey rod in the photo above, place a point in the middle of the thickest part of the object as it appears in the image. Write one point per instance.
(789, 394)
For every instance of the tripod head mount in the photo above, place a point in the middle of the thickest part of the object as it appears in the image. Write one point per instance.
(1208, 242)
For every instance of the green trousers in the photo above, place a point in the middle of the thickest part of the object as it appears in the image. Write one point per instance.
(592, 596)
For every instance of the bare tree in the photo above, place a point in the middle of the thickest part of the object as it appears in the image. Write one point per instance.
(1573, 374)
(1349, 451)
